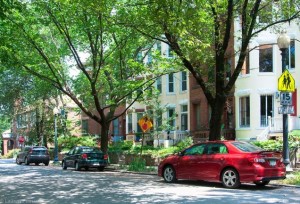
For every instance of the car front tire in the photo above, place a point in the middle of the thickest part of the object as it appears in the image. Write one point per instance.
(230, 178)
(64, 165)
(18, 161)
(169, 174)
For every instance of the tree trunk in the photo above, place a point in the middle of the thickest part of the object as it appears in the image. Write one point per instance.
(104, 137)
(215, 122)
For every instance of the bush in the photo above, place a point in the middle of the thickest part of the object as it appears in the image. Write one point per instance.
(120, 146)
(11, 153)
(67, 142)
(138, 164)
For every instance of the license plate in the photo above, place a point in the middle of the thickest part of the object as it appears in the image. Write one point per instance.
(96, 164)
(272, 162)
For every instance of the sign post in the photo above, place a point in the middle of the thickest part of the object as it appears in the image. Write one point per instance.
(286, 84)
(145, 124)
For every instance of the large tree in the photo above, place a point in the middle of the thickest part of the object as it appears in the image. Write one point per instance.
(201, 33)
(48, 40)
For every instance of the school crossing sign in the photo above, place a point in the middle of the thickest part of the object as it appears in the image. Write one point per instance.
(286, 82)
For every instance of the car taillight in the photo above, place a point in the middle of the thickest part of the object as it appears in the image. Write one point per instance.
(105, 156)
(257, 160)
(84, 156)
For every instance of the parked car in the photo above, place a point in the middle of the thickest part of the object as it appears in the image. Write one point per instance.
(229, 162)
(85, 157)
(33, 154)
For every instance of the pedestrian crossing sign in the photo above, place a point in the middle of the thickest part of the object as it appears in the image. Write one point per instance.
(286, 82)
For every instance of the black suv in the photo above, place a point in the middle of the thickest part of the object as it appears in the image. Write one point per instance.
(33, 154)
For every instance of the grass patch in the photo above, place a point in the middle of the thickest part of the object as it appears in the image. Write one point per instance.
(293, 178)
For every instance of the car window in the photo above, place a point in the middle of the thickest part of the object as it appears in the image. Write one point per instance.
(71, 151)
(77, 150)
(91, 150)
(39, 151)
(247, 147)
(195, 150)
(216, 148)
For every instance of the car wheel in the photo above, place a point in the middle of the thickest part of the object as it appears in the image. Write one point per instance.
(86, 168)
(18, 161)
(101, 168)
(169, 174)
(46, 164)
(64, 165)
(26, 161)
(261, 183)
(77, 166)
(230, 178)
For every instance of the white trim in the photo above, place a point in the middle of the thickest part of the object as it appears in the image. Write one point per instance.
(243, 92)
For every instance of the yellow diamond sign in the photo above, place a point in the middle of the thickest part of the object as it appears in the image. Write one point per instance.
(145, 123)
(286, 82)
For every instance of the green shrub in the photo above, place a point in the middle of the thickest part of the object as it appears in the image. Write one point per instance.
(188, 141)
(120, 146)
(138, 164)
(67, 142)
(11, 153)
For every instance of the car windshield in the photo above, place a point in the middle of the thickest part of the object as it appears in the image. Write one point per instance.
(91, 150)
(247, 147)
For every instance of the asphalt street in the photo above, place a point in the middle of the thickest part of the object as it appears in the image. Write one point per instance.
(48, 184)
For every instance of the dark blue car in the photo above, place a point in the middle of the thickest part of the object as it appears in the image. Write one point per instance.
(85, 157)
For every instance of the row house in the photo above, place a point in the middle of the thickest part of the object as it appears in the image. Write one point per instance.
(257, 97)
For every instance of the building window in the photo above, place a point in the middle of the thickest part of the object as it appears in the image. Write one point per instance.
(116, 127)
(158, 47)
(265, 58)
(246, 66)
(85, 127)
(158, 84)
(171, 117)
(183, 81)
(129, 123)
(171, 83)
(266, 109)
(170, 52)
(245, 111)
(291, 55)
(184, 117)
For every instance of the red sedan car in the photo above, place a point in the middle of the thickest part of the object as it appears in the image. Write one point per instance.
(229, 162)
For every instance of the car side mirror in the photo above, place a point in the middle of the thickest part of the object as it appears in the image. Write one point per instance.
(180, 153)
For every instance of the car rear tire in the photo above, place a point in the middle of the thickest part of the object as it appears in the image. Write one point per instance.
(230, 178)
(86, 168)
(64, 165)
(261, 183)
(77, 166)
(46, 164)
(26, 161)
(101, 168)
(36, 164)
(169, 174)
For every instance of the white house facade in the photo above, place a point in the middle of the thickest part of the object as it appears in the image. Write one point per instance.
(257, 99)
